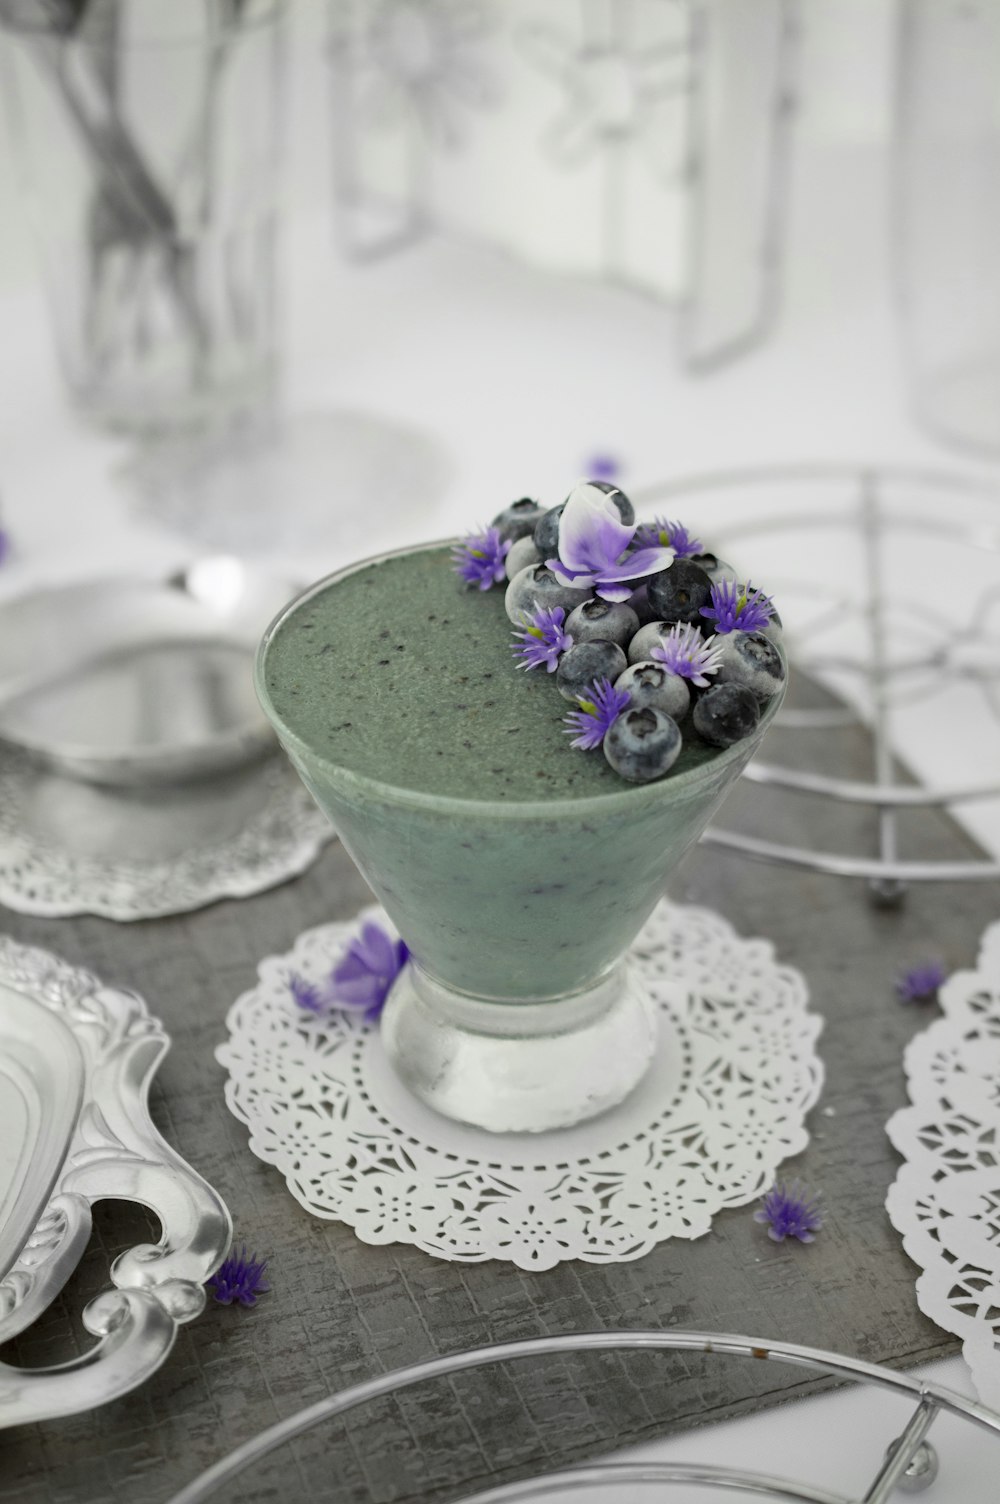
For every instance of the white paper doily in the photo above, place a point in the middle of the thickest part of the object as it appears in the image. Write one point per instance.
(722, 1105)
(68, 847)
(946, 1198)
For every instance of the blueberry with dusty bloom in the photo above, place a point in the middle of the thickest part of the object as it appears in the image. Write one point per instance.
(481, 558)
(240, 1278)
(790, 1211)
(717, 569)
(518, 520)
(752, 660)
(643, 744)
(679, 593)
(921, 983)
(640, 649)
(585, 663)
(522, 554)
(651, 684)
(536, 587)
(596, 712)
(725, 714)
(603, 621)
(638, 601)
(546, 535)
(543, 639)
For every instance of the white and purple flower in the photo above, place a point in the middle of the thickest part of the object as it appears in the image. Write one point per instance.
(543, 639)
(480, 558)
(662, 532)
(597, 714)
(361, 979)
(684, 652)
(593, 547)
(738, 608)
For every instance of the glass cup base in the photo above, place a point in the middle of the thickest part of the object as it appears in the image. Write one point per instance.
(520, 1067)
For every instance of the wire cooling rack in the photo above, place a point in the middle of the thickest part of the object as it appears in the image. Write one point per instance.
(889, 586)
(910, 1463)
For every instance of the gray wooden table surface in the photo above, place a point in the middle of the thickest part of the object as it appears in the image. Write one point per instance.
(341, 1311)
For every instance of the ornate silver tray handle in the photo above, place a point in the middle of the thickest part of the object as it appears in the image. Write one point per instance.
(76, 1063)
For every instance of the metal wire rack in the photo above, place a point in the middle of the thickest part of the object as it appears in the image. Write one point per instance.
(910, 1463)
(891, 598)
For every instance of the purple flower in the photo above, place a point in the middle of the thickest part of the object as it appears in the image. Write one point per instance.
(543, 639)
(670, 534)
(920, 983)
(479, 558)
(239, 1277)
(790, 1211)
(308, 995)
(603, 467)
(597, 714)
(738, 608)
(367, 969)
(593, 547)
(684, 652)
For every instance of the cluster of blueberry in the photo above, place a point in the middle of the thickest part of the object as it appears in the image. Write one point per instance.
(650, 636)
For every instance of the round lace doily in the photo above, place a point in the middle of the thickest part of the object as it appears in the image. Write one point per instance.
(68, 847)
(946, 1198)
(722, 1105)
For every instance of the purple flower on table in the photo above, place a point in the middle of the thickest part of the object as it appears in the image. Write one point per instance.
(684, 652)
(661, 531)
(738, 608)
(309, 996)
(593, 547)
(597, 714)
(365, 972)
(479, 558)
(790, 1211)
(240, 1278)
(542, 639)
(921, 983)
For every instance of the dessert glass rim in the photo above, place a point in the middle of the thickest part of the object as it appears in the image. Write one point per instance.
(397, 793)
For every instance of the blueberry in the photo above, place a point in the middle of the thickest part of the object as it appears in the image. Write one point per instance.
(751, 660)
(642, 744)
(725, 714)
(522, 553)
(639, 601)
(678, 593)
(625, 508)
(606, 621)
(537, 586)
(642, 644)
(547, 532)
(717, 569)
(518, 520)
(582, 664)
(651, 684)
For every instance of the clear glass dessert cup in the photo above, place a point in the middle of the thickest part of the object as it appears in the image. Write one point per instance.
(519, 1011)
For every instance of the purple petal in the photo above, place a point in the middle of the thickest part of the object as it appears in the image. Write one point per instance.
(591, 532)
(614, 592)
(641, 563)
(378, 950)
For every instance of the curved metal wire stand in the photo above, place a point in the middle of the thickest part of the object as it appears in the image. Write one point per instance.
(876, 505)
(905, 1458)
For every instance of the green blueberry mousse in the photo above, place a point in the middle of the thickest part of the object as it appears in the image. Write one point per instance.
(515, 867)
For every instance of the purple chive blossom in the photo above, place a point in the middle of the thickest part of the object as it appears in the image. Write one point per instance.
(367, 969)
(597, 714)
(240, 1277)
(603, 467)
(543, 639)
(920, 983)
(309, 996)
(479, 558)
(790, 1211)
(684, 652)
(661, 531)
(738, 608)
(593, 547)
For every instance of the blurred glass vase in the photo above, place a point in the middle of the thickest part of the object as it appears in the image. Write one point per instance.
(147, 136)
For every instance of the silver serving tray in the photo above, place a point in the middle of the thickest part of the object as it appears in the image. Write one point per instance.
(132, 683)
(76, 1062)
